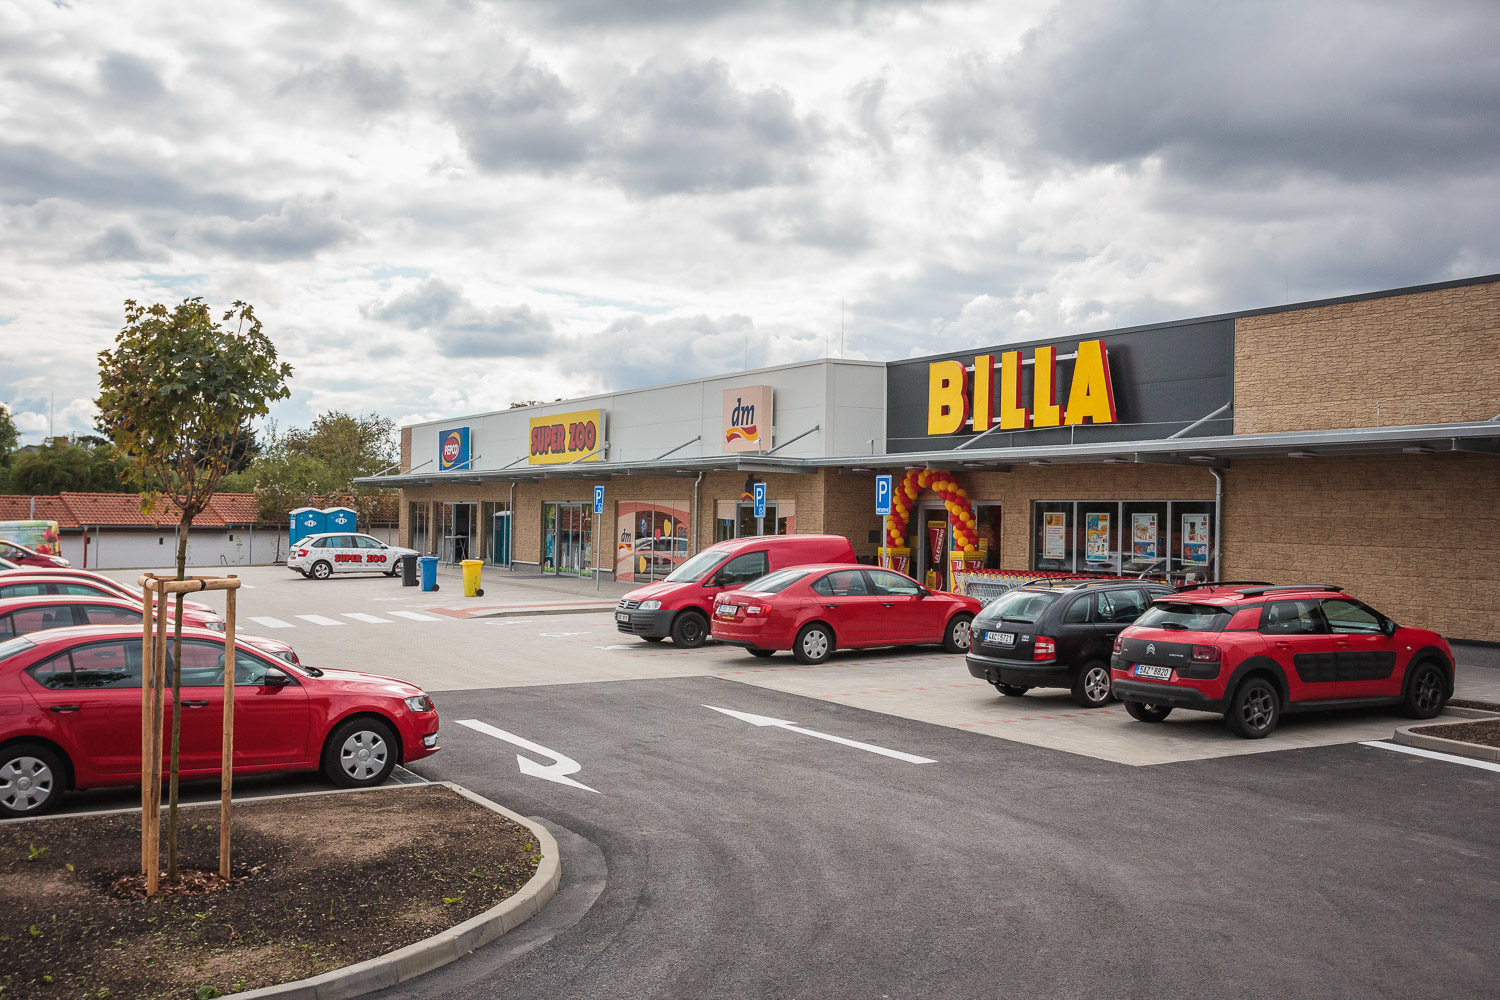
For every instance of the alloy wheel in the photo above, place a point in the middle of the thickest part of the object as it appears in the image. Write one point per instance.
(1096, 684)
(363, 754)
(25, 783)
(1259, 709)
(1428, 695)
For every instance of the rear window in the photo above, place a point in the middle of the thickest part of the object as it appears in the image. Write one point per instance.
(775, 583)
(1180, 616)
(1025, 606)
(14, 647)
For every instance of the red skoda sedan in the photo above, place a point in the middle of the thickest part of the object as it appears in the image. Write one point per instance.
(70, 715)
(813, 610)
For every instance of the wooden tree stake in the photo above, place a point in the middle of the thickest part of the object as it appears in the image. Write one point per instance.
(226, 760)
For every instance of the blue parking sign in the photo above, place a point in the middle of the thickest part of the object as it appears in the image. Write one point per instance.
(598, 499)
(882, 495)
(760, 499)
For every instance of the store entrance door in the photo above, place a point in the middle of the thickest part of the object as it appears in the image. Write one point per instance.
(931, 544)
(567, 530)
(459, 523)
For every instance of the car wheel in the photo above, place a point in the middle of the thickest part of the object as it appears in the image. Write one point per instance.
(31, 780)
(689, 630)
(360, 753)
(1147, 713)
(814, 643)
(1012, 690)
(956, 638)
(321, 570)
(653, 638)
(762, 653)
(1426, 692)
(1254, 710)
(1091, 686)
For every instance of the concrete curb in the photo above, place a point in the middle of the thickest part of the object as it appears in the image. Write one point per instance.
(1457, 748)
(447, 946)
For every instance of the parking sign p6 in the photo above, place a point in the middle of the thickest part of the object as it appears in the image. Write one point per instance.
(453, 449)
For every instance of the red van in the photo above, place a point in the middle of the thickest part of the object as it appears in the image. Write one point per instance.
(679, 606)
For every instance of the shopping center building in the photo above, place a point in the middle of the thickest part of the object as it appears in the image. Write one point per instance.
(1352, 441)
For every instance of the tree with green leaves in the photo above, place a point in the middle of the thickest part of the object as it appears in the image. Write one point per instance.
(178, 394)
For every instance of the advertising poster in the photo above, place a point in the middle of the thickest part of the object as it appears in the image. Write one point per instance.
(1195, 539)
(453, 449)
(1054, 535)
(1143, 536)
(1096, 540)
(650, 539)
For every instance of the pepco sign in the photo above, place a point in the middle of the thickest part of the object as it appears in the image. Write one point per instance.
(952, 397)
(453, 449)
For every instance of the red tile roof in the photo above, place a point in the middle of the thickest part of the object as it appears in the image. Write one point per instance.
(21, 508)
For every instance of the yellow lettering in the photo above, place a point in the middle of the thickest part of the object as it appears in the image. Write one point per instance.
(1044, 409)
(947, 403)
(1013, 416)
(1091, 397)
(984, 383)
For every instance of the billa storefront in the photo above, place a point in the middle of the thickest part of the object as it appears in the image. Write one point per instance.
(1346, 441)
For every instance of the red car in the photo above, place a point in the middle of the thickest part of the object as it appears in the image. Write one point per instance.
(23, 556)
(1252, 653)
(20, 615)
(70, 715)
(813, 610)
(28, 581)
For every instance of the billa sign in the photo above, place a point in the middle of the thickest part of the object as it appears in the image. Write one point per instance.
(956, 400)
(567, 437)
(747, 419)
(453, 449)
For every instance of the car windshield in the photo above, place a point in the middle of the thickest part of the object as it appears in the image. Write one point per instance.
(1026, 606)
(1181, 616)
(695, 568)
(774, 583)
(11, 647)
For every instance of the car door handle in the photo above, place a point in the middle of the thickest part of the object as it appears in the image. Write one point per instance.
(830, 605)
(195, 704)
(63, 708)
(887, 604)
(1283, 645)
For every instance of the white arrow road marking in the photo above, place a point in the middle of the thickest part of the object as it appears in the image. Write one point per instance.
(557, 772)
(765, 720)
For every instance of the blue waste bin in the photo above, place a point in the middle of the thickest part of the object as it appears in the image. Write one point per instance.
(428, 568)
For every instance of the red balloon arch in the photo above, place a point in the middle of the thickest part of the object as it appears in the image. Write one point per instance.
(955, 498)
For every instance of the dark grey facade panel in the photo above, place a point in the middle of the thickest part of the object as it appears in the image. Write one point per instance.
(1164, 378)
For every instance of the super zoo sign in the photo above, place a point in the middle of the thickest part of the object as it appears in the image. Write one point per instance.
(956, 400)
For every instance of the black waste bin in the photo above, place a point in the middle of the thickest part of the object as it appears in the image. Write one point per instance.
(409, 571)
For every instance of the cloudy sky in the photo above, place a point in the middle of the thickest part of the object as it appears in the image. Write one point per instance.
(447, 206)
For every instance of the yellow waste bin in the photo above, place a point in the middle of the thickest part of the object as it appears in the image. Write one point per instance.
(471, 577)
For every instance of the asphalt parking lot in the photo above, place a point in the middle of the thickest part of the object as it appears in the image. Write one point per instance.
(885, 825)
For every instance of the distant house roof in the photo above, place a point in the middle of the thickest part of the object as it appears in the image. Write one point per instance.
(72, 511)
(21, 508)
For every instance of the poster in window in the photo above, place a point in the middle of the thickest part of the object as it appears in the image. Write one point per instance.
(1195, 539)
(1143, 536)
(1054, 532)
(1096, 542)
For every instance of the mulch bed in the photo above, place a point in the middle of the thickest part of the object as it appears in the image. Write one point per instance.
(318, 882)
(1488, 706)
(1485, 732)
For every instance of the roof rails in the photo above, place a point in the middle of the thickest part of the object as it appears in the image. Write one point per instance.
(1210, 584)
(1257, 591)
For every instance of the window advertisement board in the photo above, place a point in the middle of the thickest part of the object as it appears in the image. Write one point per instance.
(453, 449)
(567, 437)
(1195, 540)
(747, 419)
(1096, 543)
(1054, 535)
(651, 538)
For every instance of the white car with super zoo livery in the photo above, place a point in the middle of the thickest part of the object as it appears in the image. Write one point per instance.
(322, 556)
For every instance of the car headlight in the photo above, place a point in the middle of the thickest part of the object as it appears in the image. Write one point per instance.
(215, 626)
(420, 703)
(650, 605)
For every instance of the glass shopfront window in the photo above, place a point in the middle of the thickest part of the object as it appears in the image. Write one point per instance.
(1139, 538)
(738, 520)
(417, 519)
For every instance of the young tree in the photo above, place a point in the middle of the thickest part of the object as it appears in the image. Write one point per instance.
(177, 396)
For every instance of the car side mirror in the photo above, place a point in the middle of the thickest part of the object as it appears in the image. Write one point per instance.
(1388, 627)
(276, 678)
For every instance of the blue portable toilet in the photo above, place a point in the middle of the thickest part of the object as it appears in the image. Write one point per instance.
(340, 519)
(306, 521)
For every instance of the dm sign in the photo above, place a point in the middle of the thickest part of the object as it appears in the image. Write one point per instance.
(747, 419)
(453, 449)
(566, 437)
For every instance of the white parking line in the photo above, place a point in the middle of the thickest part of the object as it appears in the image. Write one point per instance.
(1420, 752)
(415, 616)
(320, 620)
(360, 616)
(272, 623)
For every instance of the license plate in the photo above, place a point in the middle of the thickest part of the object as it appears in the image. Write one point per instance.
(728, 610)
(1155, 673)
(1001, 638)
(621, 616)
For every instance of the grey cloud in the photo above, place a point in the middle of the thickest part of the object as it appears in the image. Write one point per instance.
(803, 220)
(352, 81)
(633, 351)
(461, 329)
(1352, 90)
(30, 173)
(866, 99)
(129, 80)
(300, 229)
(614, 14)
(121, 242)
(525, 121)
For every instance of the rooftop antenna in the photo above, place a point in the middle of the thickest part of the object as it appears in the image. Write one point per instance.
(841, 326)
(51, 416)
